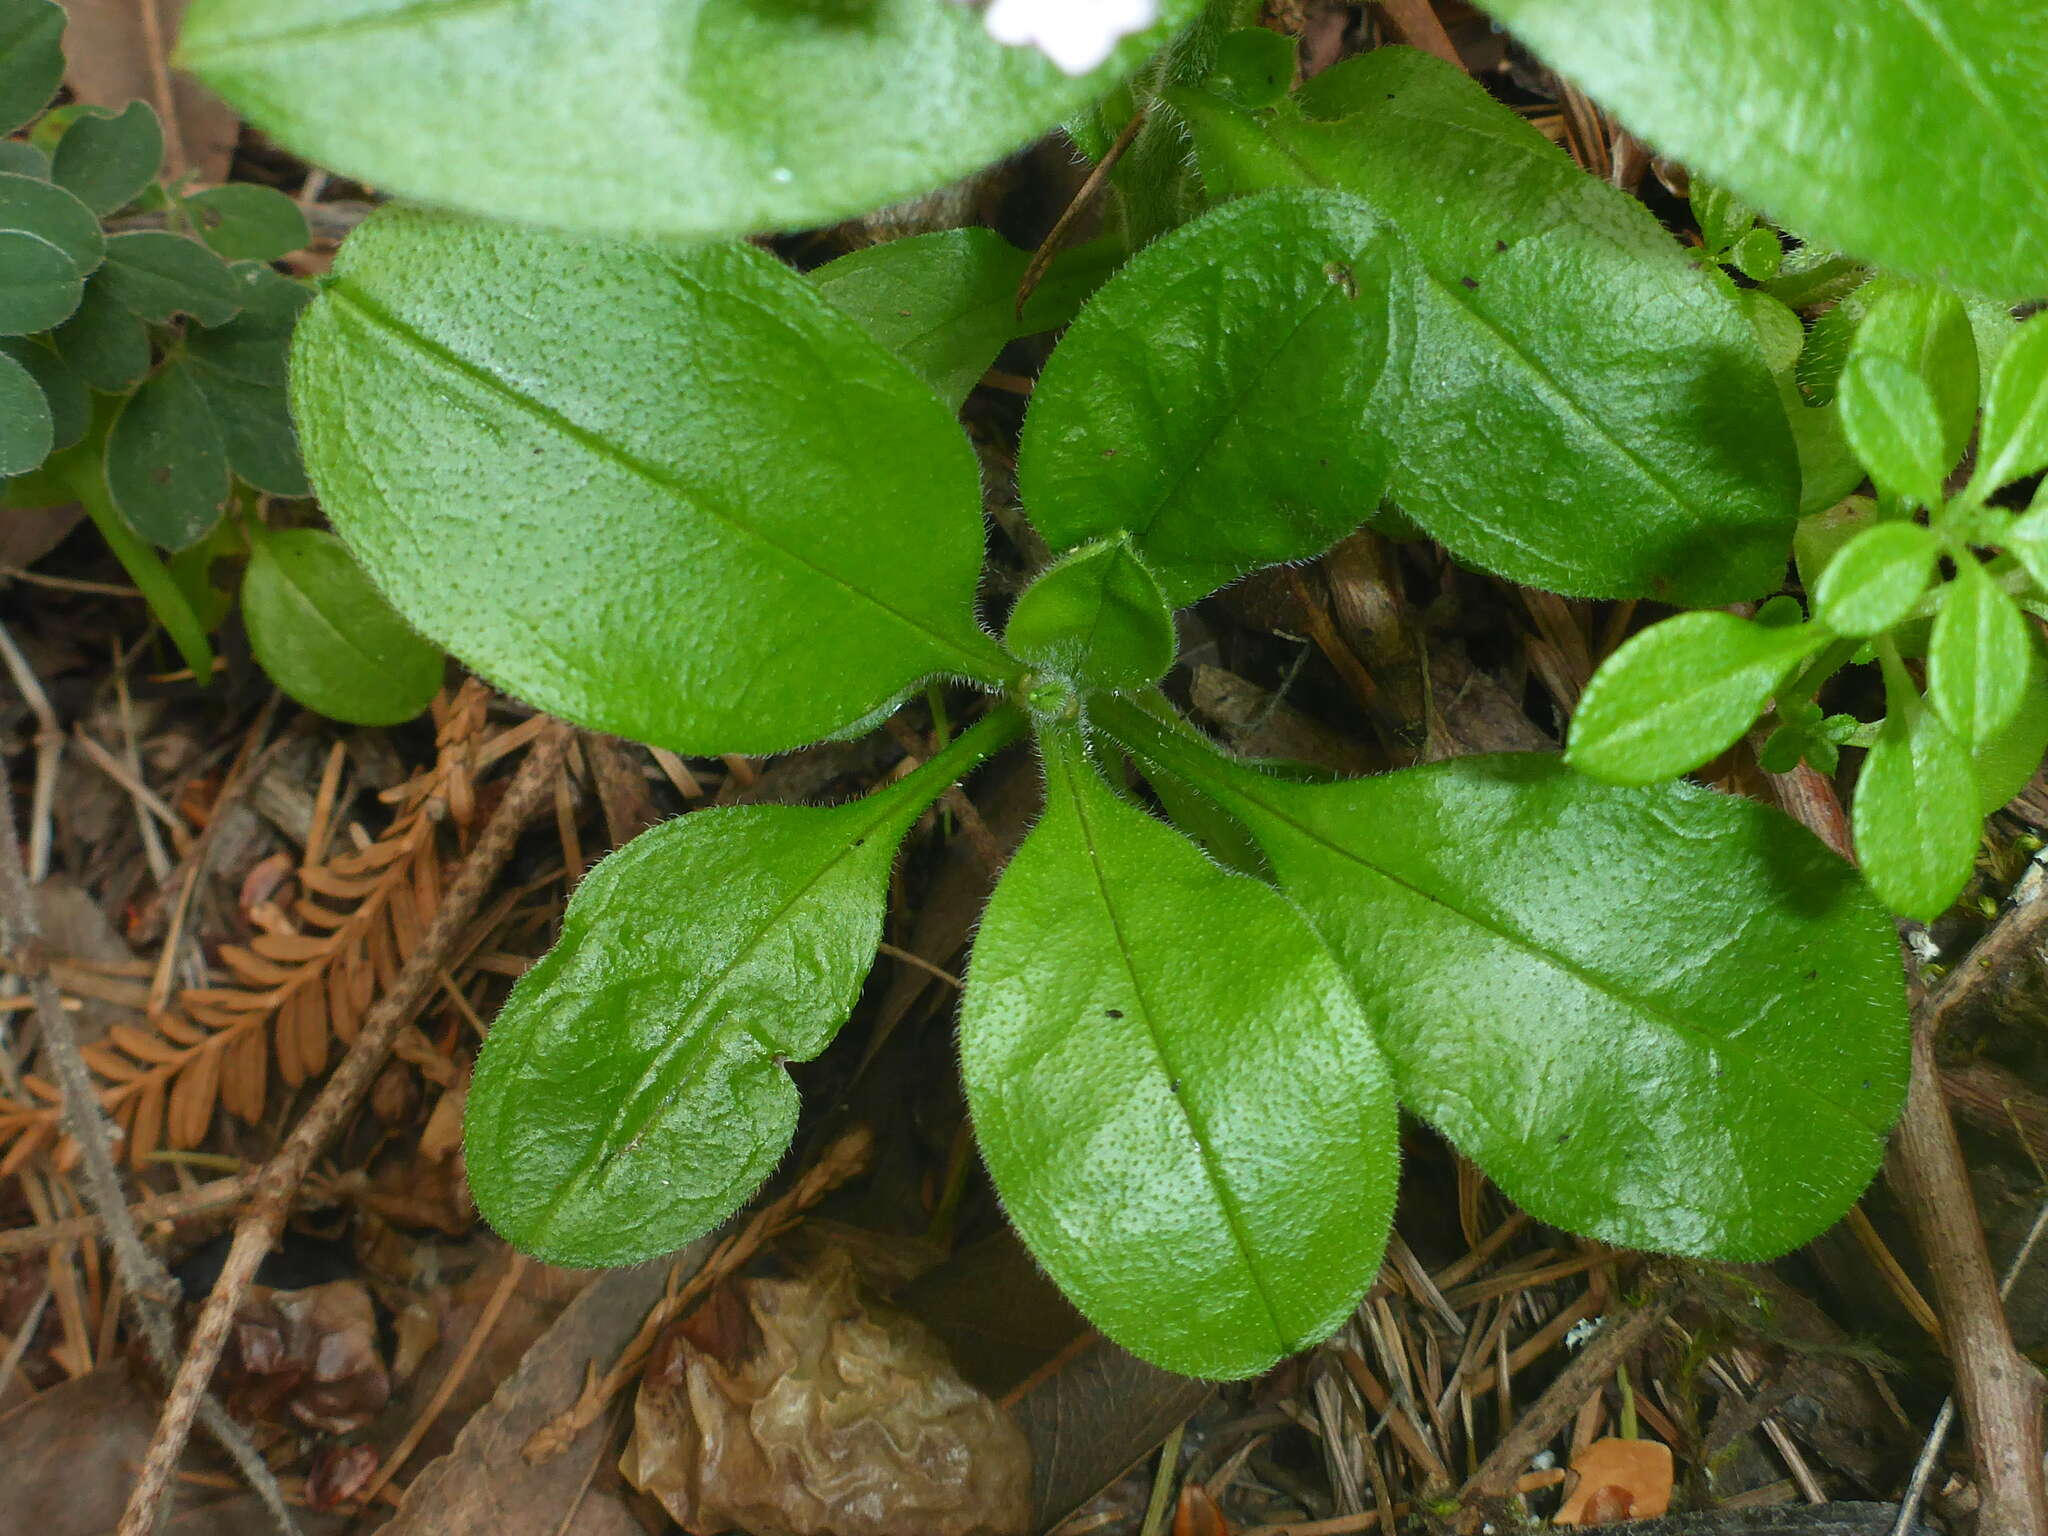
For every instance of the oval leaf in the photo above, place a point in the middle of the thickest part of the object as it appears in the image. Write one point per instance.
(245, 222)
(158, 276)
(1527, 944)
(166, 467)
(1213, 400)
(103, 340)
(1680, 693)
(1915, 816)
(1980, 657)
(1175, 1093)
(26, 427)
(31, 59)
(2008, 762)
(631, 1093)
(105, 160)
(49, 212)
(1096, 618)
(708, 118)
(62, 389)
(1873, 581)
(1926, 327)
(646, 487)
(2015, 438)
(327, 637)
(39, 286)
(1750, 92)
(1892, 422)
(1574, 403)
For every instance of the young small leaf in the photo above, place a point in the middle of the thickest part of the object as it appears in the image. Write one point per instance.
(26, 429)
(631, 1094)
(1723, 217)
(327, 637)
(1527, 945)
(104, 340)
(1679, 693)
(1926, 327)
(246, 222)
(1981, 657)
(1758, 255)
(1864, 127)
(648, 503)
(1576, 405)
(157, 276)
(105, 160)
(2015, 435)
(1096, 618)
(1214, 400)
(1874, 580)
(1893, 424)
(1176, 1095)
(31, 58)
(740, 118)
(166, 467)
(1915, 815)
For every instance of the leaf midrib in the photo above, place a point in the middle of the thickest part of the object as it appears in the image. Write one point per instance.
(652, 474)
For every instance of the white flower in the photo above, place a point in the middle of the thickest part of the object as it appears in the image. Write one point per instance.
(1077, 35)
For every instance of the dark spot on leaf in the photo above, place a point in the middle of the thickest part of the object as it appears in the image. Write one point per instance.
(859, 842)
(1109, 453)
(1563, 1137)
(1500, 245)
(1114, 1013)
(1866, 1082)
(1174, 1085)
(1469, 282)
(161, 474)
(1810, 975)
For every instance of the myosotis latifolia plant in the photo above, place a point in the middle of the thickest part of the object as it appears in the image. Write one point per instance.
(669, 487)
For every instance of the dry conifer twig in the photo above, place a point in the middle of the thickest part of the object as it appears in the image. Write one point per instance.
(277, 1185)
(150, 1289)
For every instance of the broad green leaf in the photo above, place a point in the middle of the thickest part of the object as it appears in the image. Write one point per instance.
(157, 275)
(39, 286)
(946, 303)
(1253, 67)
(1891, 420)
(62, 389)
(1915, 814)
(105, 160)
(104, 341)
(1214, 399)
(2008, 762)
(1680, 693)
(1926, 327)
(2015, 436)
(631, 1093)
(1096, 618)
(26, 429)
(1664, 1017)
(1914, 135)
(1875, 579)
(245, 222)
(327, 637)
(166, 467)
(1174, 1091)
(31, 60)
(668, 492)
(1981, 657)
(685, 117)
(1572, 401)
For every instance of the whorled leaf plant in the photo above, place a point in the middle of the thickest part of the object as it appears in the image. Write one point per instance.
(683, 494)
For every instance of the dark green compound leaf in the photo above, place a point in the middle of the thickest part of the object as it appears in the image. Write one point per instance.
(105, 160)
(1214, 399)
(326, 636)
(645, 486)
(1096, 619)
(1980, 659)
(255, 345)
(167, 468)
(1874, 580)
(1528, 945)
(485, 106)
(1571, 401)
(1912, 135)
(24, 159)
(2015, 438)
(157, 276)
(947, 302)
(1927, 328)
(1915, 816)
(39, 285)
(26, 430)
(1680, 693)
(245, 222)
(39, 208)
(255, 430)
(242, 368)
(62, 389)
(105, 341)
(31, 58)
(1174, 1091)
(631, 1094)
